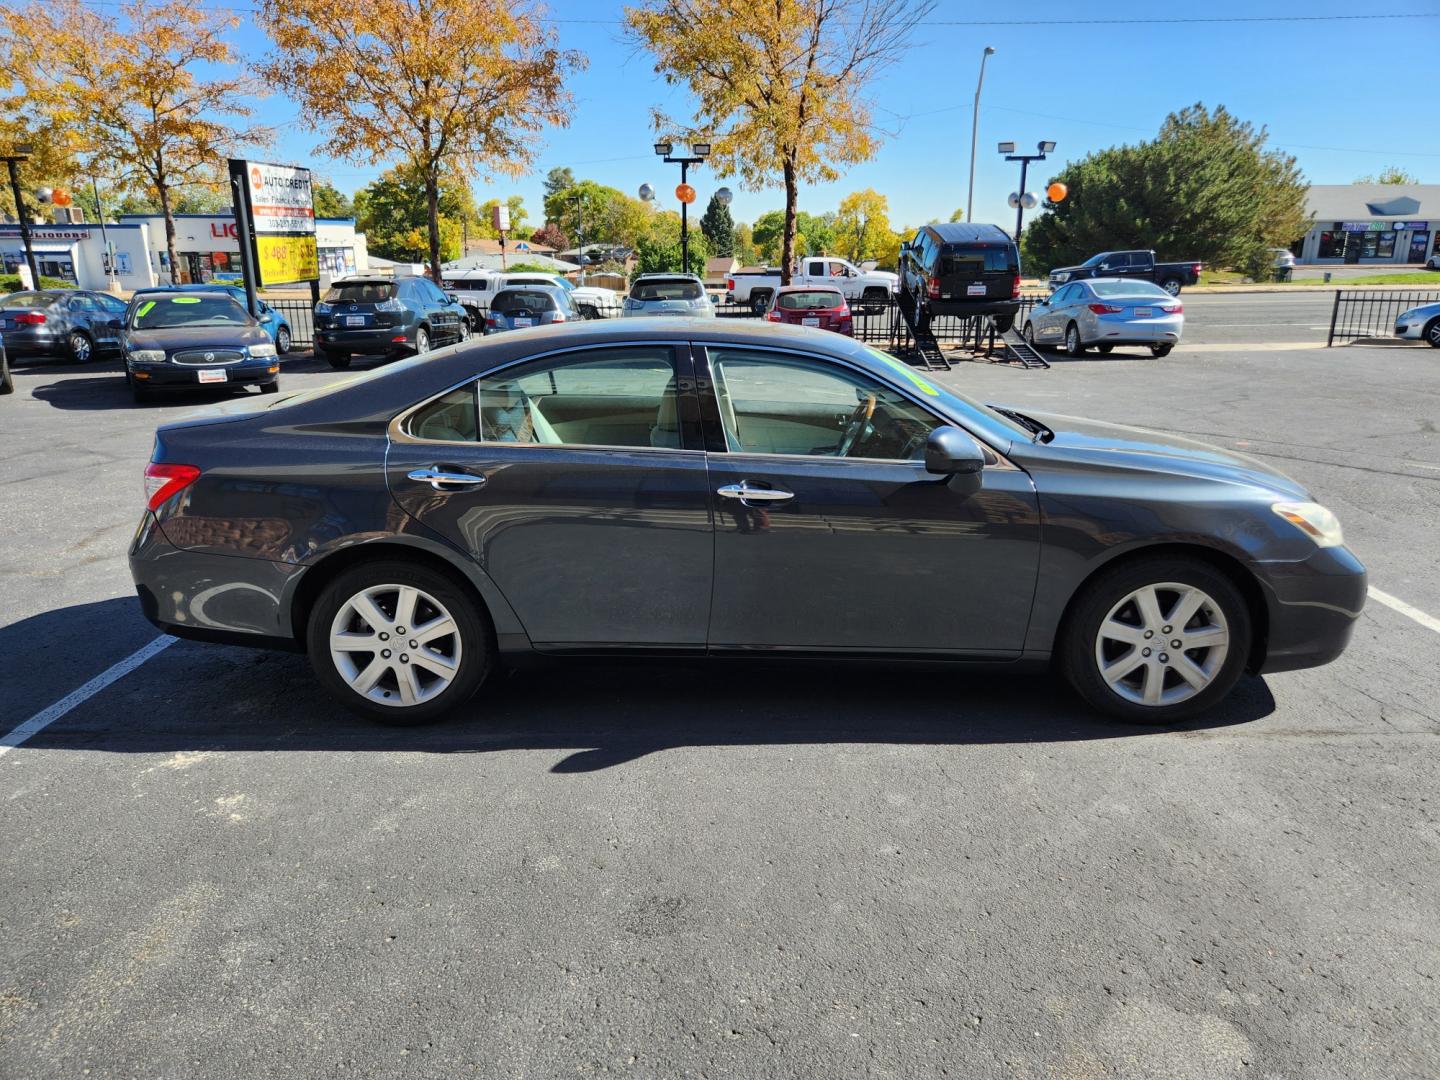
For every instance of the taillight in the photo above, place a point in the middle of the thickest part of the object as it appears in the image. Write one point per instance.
(490, 320)
(30, 318)
(1172, 309)
(730, 284)
(1015, 288)
(164, 481)
(773, 316)
(932, 287)
(1106, 309)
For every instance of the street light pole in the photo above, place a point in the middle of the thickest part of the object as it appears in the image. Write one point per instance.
(699, 152)
(974, 132)
(580, 232)
(22, 153)
(1045, 146)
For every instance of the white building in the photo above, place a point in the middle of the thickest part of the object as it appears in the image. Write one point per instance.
(206, 247)
(1371, 223)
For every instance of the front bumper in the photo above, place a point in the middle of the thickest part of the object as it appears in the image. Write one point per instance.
(225, 598)
(1411, 329)
(1312, 607)
(183, 376)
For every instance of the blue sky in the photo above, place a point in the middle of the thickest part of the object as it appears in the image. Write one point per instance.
(1346, 97)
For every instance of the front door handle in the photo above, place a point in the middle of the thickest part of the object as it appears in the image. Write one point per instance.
(747, 494)
(441, 480)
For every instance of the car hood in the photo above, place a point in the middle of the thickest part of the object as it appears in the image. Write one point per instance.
(1123, 447)
(1066, 269)
(197, 337)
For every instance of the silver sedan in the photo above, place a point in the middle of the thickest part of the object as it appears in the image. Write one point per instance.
(1104, 312)
(1420, 323)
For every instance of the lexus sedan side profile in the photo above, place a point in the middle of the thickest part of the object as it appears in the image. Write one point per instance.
(698, 487)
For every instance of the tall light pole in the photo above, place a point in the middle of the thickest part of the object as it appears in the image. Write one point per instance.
(1023, 200)
(974, 132)
(21, 152)
(699, 152)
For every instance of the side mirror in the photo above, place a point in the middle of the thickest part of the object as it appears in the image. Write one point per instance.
(951, 452)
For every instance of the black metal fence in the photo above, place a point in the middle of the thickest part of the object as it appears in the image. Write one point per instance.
(300, 315)
(1370, 313)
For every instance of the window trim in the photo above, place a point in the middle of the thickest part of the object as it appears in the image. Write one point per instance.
(397, 431)
(710, 408)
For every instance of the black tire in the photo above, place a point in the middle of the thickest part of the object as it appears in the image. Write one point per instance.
(270, 387)
(1003, 323)
(1104, 350)
(337, 360)
(1073, 345)
(476, 638)
(422, 340)
(1431, 333)
(7, 382)
(1076, 647)
(82, 348)
(1159, 351)
(1029, 336)
(1171, 285)
(283, 340)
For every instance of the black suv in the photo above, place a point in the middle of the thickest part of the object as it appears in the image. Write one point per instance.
(961, 269)
(381, 316)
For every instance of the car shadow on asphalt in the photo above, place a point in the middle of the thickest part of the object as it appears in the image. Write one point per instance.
(108, 392)
(597, 715)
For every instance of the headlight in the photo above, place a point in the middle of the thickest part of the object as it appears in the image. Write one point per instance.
(147, 356)
(1313, 520)
(389, 305)
(323, 308)
(1405, 315)
(258, 351)
(1060, 277)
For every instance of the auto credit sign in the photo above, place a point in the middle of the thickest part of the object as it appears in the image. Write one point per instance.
(279, 203)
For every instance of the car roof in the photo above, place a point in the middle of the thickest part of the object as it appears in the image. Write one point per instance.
(967, 232)
(665, 277)
(817, 287)
(365, 279)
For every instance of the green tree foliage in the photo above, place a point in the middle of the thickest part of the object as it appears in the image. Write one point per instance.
(393, 214)
(719, 228)
(957, 215)
(862, 228)
(744, 245)
(1392, 174)
(330, 202)
(658, 251)
(1205, 188)
(558, 179)
(601, 214)
(486, 214)
(814, 234)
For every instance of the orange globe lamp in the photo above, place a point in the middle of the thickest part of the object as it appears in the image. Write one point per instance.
(1057, 191)
(61, 197)
(685, 193)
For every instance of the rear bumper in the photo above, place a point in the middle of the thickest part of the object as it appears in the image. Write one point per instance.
(972, 307)
(1312, 608)
(224, 598)
(372, 341)
(33, 341)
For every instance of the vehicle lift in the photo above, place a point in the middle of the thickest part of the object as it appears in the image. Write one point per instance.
(978, 334)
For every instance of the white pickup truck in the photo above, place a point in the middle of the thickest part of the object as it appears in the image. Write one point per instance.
(756, 287)
(473, 288)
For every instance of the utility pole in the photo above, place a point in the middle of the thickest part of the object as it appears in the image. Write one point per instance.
(104, 238)
(974, 132)
(12, 160)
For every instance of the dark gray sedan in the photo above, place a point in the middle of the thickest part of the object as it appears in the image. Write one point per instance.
(74, 324)
(685, 487)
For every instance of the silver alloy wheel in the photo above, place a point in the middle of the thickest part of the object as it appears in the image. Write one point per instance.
(80, 347)
(1162, 644)
(282, 340)
(1072, 340)
(422, 341)
(395, 645)
(1030, 334)
(1434, 333)
(1172, 287)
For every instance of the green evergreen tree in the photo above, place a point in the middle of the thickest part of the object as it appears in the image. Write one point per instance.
(719, 228)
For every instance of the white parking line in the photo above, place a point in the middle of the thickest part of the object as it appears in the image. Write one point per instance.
(1427, 621)
(43, 719)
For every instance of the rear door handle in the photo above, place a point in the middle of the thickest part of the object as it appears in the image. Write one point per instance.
(745, 493)
(441, 480)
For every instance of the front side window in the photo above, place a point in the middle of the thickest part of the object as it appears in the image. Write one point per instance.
(771, 403)
(621, 397)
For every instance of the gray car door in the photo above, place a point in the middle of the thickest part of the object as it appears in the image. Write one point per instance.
(577, 482)
(829, 533)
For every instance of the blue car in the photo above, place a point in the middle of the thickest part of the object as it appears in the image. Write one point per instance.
(271, 321)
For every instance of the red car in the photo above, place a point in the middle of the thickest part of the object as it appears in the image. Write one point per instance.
(812, 305)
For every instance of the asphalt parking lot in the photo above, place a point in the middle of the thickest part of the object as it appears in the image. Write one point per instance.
(212, 871)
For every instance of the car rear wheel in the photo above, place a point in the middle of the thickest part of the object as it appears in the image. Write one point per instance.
(398, 642)
(1156, 640)
(282, 340)
(422, 341)
(1029, 335)
(1104, 350)
(1432, 333)
(1073, 345)
(1003, 323)
(337, 360)
(1158, 351)
(7, 383)
(81, 347)
(1171, 285)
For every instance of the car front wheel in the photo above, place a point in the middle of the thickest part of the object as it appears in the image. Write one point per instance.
(1156, 640)
(1432, 333)
(282, 340)
(398, 642)
(1030, 337)
(81, 347)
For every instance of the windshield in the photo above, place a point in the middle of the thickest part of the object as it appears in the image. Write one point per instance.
(523, 300)
(972, 263)
(677, 289)
(816, 300)
(1127, 288)
(164, 312)
(360, 292)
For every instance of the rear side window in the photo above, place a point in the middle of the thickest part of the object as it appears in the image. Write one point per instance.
(360, 292)
(679, 289)
(812, 300)
(28, 299)
(522, 300)
(1128, 288)
(973, 262)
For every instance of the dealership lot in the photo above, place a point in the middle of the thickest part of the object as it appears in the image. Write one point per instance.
(818, 872)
